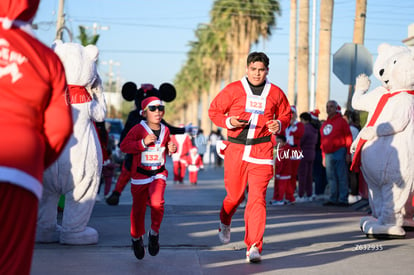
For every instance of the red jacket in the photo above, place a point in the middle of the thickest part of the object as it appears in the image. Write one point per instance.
(283, 163)
(232, 101)
(36, 120)
(335, 134)
(149, 158)
(183, 143)
(294, 134)
(194, 162)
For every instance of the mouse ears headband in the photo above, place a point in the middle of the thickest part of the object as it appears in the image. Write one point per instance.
(130, 92)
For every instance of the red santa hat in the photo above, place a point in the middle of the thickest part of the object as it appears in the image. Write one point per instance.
(315, 114)
(338, 109)
(293, 108)
(17, 13)
(194, 150)
(150, 101)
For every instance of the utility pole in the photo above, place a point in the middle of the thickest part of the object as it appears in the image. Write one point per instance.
(292, 53)
(60, 20)
(359, 35)
(313, 43)
(360, 18)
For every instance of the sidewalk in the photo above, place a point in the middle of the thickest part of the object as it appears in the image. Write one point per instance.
(305, 238)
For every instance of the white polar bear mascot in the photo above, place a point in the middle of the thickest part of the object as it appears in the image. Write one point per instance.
(384, 147)
(76, 174)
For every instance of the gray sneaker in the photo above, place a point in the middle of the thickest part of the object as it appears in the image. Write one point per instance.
(224, 233)
(253, 255)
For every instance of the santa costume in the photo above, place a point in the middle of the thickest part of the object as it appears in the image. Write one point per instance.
(194, 163)
(36, 122)
(184, 144)
(248, 159)
(148, 173)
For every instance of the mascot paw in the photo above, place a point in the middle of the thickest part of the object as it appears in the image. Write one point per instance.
(88, 236)
(368, 133)
(364, 221)
(113, 199)
(362, 83)
(375, 230)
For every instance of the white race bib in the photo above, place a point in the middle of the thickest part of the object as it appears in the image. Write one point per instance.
(255, 104)
(152, 157)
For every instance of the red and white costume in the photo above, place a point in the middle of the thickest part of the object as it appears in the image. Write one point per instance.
(246, 163)
(283, 173)
(184, 144)
(194, 163)
(148, 176)
(294, 133)
(36, 123)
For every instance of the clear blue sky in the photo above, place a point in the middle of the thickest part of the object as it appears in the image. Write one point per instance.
(150, 39)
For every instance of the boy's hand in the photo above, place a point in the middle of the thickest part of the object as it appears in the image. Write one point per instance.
(151, 138)
(172, 148)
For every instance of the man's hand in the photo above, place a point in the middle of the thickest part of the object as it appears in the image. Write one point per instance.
(234, 120)
(273, 126)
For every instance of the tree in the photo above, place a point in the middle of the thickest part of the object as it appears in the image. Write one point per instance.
(220, 52)
(86, 39)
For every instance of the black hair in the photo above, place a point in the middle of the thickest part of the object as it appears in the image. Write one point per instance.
(305, 116)
(258, 57)
(282, 137)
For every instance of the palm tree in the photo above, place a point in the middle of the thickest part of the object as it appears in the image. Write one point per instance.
(86, 39)
(324, 60)
(235, 25)
(244, 22)
(302, 100)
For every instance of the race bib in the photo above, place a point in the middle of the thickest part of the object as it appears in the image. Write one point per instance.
(152, 157)
(255, 104)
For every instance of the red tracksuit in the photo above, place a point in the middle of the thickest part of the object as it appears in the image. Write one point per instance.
(252, 164)
(148, 176)
(35, 123)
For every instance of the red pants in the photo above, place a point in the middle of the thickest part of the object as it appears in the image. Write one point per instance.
(123, 179)
(294, 173)
(18, 216)
(193, 176)
(153, 194)
(237, 174)
(281, 185)
(179, 171)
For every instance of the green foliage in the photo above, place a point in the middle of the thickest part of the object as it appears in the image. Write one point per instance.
(86, 39)
(234, 26)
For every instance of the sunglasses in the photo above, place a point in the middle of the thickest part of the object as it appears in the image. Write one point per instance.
(159, 107)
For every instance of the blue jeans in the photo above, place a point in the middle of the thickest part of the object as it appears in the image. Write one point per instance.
(337, 175)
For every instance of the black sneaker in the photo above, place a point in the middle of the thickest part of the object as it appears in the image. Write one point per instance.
(138, 247)
(153, 245)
